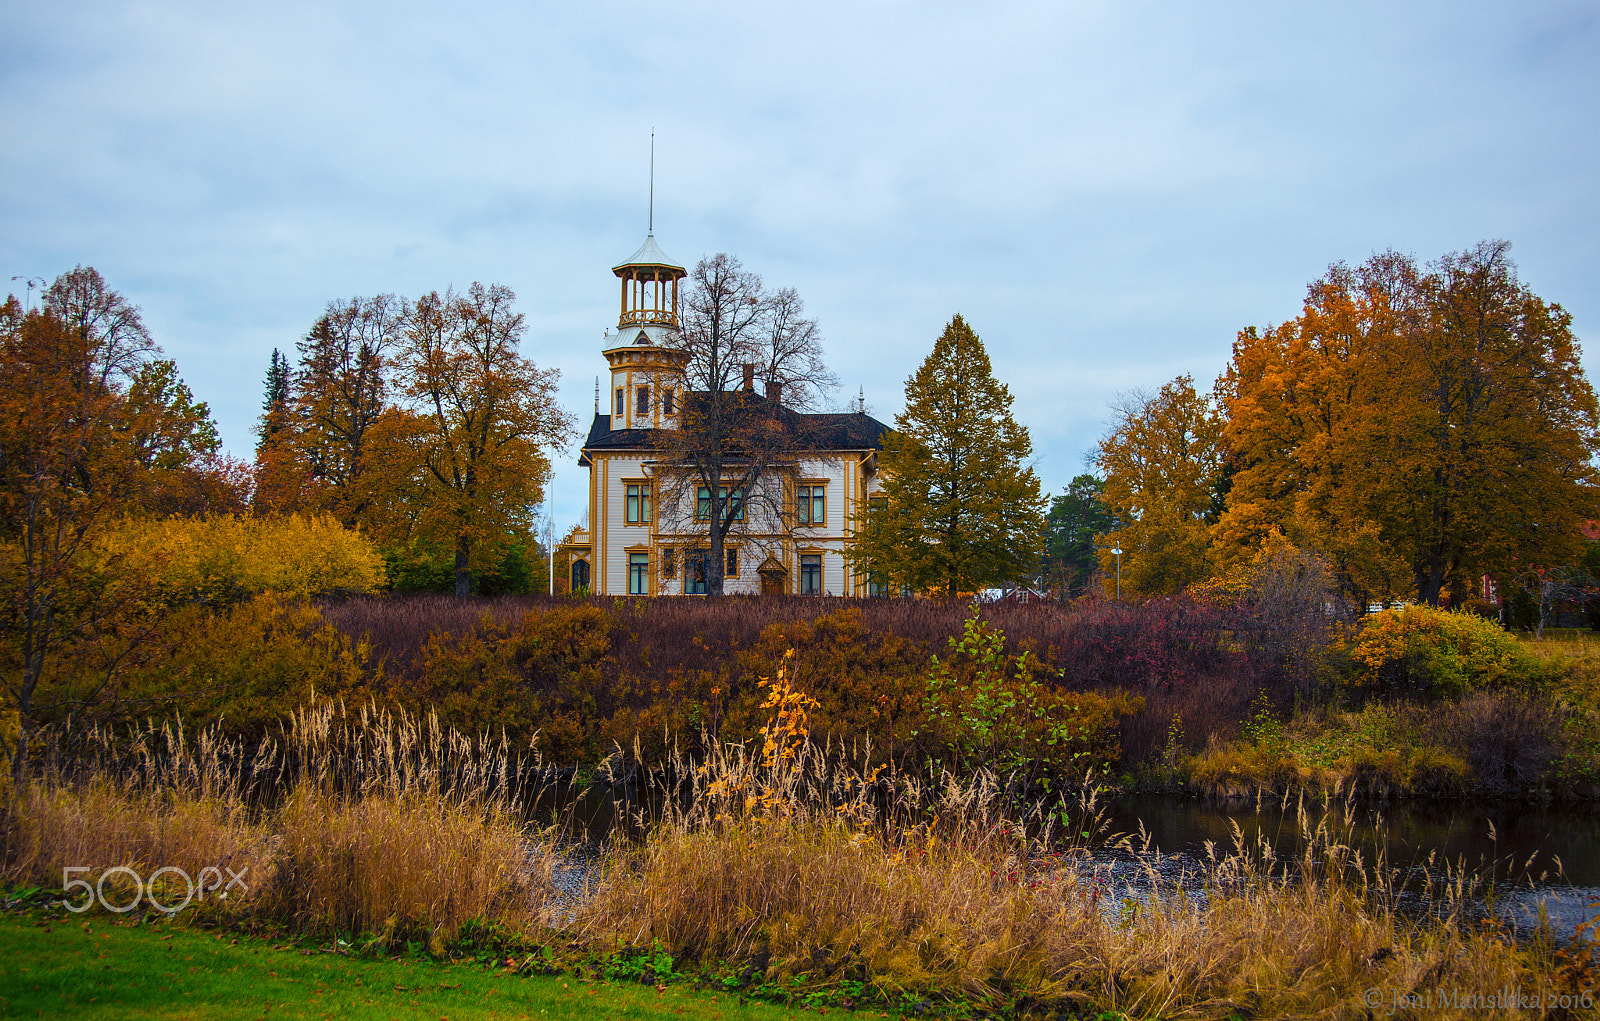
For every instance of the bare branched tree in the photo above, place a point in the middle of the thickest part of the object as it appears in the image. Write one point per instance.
(790, 354)
(110, 327)
(725, 470)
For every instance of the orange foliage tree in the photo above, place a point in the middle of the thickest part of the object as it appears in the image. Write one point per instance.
(341, 390)
(91, 429)
(1420, 425)
(461, 462)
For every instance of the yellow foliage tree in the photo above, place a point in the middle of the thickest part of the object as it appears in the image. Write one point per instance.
(1163, 466)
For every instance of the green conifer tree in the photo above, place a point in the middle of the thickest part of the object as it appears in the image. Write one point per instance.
(1077, 518)
(275, 408)
(960, 509)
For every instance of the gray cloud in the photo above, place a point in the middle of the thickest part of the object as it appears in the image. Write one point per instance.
(1107, 191)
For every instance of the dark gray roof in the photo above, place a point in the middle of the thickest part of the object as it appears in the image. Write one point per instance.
(826, 431)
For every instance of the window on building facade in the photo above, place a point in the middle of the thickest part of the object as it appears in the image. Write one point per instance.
(732, 564)
(667, 405)
(702, 503)
(877, 504)
(642, 407)
(669, 563)
(696, 572)
(638, 574)
(580, 575)
(811, 574)
(621, 403)
(638, 504)
(813, 505)
(877, 588)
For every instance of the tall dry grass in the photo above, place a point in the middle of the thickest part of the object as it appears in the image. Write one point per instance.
(361, 822)
(814, 872)
(970, 902)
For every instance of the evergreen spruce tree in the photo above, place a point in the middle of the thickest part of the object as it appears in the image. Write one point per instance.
(275, 408)
(1077, 518)
(961, 508)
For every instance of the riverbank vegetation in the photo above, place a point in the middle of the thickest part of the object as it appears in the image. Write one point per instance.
(1214, 693)
(781, 868)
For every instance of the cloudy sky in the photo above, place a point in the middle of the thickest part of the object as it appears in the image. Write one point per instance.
(1107, 191)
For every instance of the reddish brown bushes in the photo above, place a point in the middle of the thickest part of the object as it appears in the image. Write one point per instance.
(592, 673)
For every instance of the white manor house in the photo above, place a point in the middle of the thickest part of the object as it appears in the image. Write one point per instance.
(635, 546)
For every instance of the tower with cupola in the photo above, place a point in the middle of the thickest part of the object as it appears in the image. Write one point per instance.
(646, 360)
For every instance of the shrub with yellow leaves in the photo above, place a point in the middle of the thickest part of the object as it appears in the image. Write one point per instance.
(222, 557)
(789, 728)
(1437, 652)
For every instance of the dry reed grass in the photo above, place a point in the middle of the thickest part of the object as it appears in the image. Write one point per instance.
(812, 870)
(981, 907)
(365, 823)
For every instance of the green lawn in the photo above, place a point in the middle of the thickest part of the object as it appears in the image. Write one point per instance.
(98, 969)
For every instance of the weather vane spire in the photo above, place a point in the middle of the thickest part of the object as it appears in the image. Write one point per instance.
(652, 229)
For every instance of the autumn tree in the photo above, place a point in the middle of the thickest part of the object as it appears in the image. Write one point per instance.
(92, 429)
(1419, 425)
(726, 468)
(1077, 517)
(461, 461)
(962, 509)
(1486, 462)
(1294, 397)
(109, 328)
(1163, 463)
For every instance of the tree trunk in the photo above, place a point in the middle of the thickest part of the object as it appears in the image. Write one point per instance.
(714, 566)
(463, 573)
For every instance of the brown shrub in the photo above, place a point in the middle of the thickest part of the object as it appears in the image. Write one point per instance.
(1510, 739)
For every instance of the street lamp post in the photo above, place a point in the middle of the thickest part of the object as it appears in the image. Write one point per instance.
(550, 545)
(1117, 552)
(33, 282)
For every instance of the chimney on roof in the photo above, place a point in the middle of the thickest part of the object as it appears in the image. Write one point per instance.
(774, 391)
(749, 375)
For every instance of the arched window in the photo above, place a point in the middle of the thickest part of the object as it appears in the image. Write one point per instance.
(580, 575)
